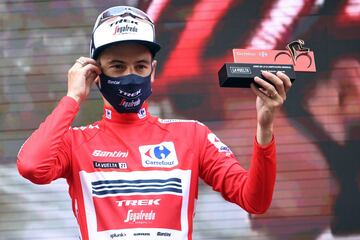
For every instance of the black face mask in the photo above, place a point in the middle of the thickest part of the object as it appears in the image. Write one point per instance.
(126, 93)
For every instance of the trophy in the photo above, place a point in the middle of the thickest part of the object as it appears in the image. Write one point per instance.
(249, 63)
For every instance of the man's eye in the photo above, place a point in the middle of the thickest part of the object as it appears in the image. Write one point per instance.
(141, 67)
(118, 66)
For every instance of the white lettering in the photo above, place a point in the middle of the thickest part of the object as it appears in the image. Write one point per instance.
(113, 82)
(114, 154)
(250, 54)
(139, 216)
(127, 94)
(124, 29)
(131, 104)
(140, 202)
(160, 163)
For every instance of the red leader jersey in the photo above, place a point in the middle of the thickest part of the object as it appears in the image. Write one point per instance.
(135, 176)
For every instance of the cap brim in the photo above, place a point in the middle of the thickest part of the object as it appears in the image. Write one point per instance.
(153, 47)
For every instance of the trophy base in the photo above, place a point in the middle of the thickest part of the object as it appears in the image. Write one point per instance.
(241, 75)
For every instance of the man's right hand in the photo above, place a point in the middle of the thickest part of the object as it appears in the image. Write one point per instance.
(80, 77)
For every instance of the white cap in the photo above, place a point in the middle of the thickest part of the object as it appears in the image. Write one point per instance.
(123, 24)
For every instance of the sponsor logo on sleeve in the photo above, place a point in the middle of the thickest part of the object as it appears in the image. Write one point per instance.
(218, 144)
(82, 128)
(162, 155)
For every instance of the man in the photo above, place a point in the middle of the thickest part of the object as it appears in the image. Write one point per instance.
(132, 175)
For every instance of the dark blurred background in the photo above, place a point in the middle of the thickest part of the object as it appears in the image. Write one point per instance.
(317, 192)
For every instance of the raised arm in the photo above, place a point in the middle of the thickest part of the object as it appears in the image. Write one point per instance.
(252, 189)
(46, 155)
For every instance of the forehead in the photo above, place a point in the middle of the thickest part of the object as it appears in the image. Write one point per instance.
(126, 52)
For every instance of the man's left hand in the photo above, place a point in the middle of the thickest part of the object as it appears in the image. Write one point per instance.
(270, 97)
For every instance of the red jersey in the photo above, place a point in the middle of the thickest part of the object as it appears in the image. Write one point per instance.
(135, 176)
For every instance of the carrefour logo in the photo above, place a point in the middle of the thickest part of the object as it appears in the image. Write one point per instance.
(161, 155)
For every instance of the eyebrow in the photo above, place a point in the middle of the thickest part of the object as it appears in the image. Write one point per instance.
(114, 61)
(143, 61)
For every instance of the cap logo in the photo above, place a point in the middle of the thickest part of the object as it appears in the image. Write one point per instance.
(123, 24)
(125, 29)
(123, 20)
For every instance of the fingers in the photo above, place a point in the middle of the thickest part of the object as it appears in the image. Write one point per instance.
(271, 101)
(274, 84)
(259, 93)
(277, 84)
(90, 68)
(83, 61)
(286, 80)
(268, 89)
(87, 67)
(81, 76)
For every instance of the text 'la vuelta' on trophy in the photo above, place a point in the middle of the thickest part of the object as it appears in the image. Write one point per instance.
(249, 63)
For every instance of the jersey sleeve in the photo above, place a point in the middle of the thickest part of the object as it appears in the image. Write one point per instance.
(251, 189)
(45, 155)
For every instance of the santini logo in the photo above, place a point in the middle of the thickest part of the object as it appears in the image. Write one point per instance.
(162, 155)
(113, 154)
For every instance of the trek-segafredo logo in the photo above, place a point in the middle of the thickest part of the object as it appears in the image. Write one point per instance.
(130, 104)
(124, 26)
(161, 155)
(139, 202)
(130, 95)
(140, 216)
(133, 216)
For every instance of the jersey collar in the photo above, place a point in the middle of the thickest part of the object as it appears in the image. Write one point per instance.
(110, 114)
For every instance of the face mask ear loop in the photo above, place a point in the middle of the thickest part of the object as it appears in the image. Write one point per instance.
(98, 84)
